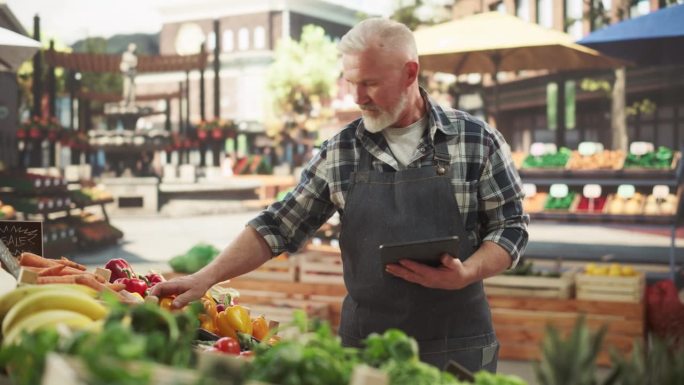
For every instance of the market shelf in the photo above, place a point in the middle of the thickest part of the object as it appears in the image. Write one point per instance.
(604, 218)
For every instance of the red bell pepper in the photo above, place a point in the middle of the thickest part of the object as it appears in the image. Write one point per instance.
(134, 285)
(120, 269)
(153, 279)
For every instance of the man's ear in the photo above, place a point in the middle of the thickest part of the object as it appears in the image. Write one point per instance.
(411, 69)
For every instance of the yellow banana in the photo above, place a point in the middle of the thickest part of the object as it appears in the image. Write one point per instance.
(54, 300)
(46, 319)
(11, 298)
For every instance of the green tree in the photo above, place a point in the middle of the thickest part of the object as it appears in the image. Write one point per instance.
(303, 76)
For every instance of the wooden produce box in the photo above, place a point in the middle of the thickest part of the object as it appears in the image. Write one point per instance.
(610, 288)
(520, 324)
(281, 268)
(531, 286)
(281, 309)
(317, 267)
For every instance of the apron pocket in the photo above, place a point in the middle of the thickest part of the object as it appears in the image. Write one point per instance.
(473, 353)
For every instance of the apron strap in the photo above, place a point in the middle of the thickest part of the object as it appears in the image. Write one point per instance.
(365, 162)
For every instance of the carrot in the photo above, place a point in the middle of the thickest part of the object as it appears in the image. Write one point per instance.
(66, 270)
(90, 281)
(30, 259)
(115, 286)
(51, 271)
(66, 262)
(56, 279)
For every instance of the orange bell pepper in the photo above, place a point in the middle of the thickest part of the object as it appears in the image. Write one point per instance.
(207, 323)
(165, 303)
(259, 327)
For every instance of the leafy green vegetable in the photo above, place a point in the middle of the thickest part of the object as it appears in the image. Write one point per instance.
(27, 359)
(194, 259)
(393, 344)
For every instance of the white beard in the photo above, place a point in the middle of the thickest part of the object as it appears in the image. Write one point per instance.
(384, 119)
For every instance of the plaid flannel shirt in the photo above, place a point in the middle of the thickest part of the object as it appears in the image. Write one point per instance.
(486, 185)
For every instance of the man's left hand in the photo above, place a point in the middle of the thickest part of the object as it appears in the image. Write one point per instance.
(451, 275)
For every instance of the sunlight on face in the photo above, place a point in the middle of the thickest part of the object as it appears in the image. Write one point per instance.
(376, 86)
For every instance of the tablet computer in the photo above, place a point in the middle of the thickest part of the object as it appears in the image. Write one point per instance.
(427, 251)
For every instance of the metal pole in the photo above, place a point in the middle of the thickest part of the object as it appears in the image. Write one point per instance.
(37, 70)
(201, 87)
(217, 70)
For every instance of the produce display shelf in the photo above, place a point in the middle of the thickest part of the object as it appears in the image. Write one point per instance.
(603, 218)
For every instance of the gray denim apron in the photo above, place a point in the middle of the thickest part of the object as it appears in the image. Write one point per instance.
(402, 206)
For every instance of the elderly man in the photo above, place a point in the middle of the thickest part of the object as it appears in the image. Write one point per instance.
(407, 170)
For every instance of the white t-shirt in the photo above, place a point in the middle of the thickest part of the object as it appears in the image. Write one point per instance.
(404, 141)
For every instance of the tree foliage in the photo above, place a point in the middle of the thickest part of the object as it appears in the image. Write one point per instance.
(304, 72)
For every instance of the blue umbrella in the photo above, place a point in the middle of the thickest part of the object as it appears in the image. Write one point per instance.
(653, 39)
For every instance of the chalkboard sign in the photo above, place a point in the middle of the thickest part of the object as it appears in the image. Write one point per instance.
(21, 236)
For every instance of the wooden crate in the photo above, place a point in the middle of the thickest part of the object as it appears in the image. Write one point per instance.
(282, 309)
(252, 291)
(610, 288)
(316, 267)
(531, 286)
(520, 324)
(276, 269)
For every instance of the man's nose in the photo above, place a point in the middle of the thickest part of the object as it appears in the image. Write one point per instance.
(360, 95)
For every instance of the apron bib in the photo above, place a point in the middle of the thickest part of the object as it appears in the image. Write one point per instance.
(403, 206)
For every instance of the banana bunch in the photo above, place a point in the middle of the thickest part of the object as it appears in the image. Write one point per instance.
(34, 307)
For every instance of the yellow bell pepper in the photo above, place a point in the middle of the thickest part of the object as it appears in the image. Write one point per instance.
(209, 307)
(235, 318)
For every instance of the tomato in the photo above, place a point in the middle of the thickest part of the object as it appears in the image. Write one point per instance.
(227, 345)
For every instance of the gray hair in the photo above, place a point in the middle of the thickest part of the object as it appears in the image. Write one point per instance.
(382, 34)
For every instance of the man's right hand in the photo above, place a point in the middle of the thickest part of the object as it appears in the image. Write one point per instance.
(187, 289)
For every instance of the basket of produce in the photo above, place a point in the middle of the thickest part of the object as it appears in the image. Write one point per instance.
(555, 160)
(603, 160)
(526, 281)
(614, 282)
(661, 159)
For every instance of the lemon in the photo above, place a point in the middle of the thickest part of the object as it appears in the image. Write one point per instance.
(590, 268)
(627, 271)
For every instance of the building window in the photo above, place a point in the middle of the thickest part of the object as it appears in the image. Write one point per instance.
(545, 13)
(211, 41)
(522, 9)
(243, 39)
(259, 37)
(573, 18)
(228, 41)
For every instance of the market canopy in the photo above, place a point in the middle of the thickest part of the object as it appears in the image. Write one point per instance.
(15, 49)
(492, 42)
(91, 62)
(653, 39)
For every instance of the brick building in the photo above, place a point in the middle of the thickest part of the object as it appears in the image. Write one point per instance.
(247, 37)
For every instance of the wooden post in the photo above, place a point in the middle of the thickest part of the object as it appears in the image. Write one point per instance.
(37, 71)
(217, 70)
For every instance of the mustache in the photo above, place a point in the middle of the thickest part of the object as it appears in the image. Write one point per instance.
(368, 107)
